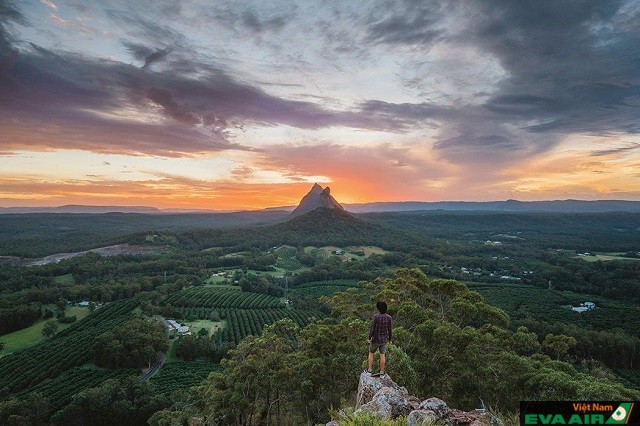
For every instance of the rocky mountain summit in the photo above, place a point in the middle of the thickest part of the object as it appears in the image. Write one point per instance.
(318, 197)
(385, 399)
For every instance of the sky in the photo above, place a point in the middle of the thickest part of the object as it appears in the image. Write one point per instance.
(244, 105)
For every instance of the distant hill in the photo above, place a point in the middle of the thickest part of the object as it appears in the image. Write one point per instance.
(557, 206)
(551, 206)
(320, 227)
(71, 208)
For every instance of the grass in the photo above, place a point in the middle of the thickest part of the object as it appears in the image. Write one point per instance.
(606, 257)
(218, 280)
(27, 337)
(66, 279)
(215, 279)
(171, 355)
(349, 252)
(212, 326)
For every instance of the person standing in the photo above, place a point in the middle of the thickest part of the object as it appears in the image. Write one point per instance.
(379, 336)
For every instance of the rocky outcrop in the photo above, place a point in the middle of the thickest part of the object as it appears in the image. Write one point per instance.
(316, 198)
(384, 398)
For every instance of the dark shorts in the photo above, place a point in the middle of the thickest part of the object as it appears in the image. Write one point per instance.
(373, 346)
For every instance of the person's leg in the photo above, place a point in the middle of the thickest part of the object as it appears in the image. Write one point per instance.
(383, 358)
(370, 362)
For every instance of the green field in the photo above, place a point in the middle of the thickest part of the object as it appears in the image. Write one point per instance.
(348, 253)
(32, 335)
(212, 326)
(69, 348)
(171, 354)
(606, 257)
(66, 279)
(216, 279)
(227, 278)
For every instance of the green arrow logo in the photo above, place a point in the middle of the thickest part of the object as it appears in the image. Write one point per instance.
(621, 415)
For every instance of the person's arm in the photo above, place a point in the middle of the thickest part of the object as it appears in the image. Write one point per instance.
(390, 334)
(372, 328)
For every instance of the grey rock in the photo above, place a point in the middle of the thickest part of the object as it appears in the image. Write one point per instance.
(316, 198)
(387, 403)
(369, 386)
(435, 404)
(419, 417)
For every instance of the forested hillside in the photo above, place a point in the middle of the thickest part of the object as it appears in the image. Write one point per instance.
(78, 331)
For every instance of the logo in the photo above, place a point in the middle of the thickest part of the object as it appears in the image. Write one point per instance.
(621, 415)
(579, 413)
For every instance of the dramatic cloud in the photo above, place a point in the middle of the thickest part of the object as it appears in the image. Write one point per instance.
(454, 97)
(571, 66)
(620, 150)
(79, 104)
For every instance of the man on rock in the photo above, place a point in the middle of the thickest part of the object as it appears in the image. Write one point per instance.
(379, 336)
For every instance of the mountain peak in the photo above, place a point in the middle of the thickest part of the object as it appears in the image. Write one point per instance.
(317, 197)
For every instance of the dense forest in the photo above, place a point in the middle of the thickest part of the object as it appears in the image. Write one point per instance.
(493, 288)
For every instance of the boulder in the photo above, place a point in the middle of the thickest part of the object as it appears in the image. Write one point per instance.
(387, 403)
(385, 399)
(436, 405)
(369, 386)
(419, 417)
(414, 402)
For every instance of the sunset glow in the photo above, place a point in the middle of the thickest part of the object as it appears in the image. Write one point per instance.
(244, 105)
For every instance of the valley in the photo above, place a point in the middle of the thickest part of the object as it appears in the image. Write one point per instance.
(503, 282)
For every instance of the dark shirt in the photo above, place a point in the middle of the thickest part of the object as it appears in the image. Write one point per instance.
(380, 330)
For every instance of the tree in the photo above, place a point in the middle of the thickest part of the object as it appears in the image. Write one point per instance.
(203, 332)
(125, 401)
(558, 344)
(134, 344)
(447, 342)
(2, 344)
(33, 409)
(62, 307)
(50, 328)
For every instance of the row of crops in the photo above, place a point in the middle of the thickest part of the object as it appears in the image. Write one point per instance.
(212, 297)
(60, 390)
(318, 289)
(176, 375)
(70, 348)
(245, 322)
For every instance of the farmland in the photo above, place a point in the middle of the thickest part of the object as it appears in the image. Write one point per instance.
(240, 285)
(177, 375)
(243, 313)
(69, 348)
(318, 289)
(32, 335)
(212, 297)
